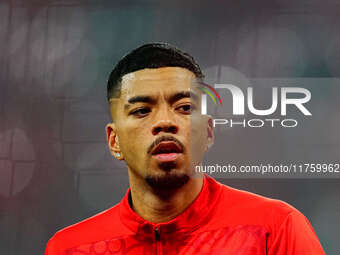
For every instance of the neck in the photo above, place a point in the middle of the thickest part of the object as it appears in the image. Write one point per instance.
(154, 206)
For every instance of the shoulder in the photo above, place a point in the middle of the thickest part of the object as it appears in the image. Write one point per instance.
(283, 225)
(101, 226)
(244, 207)
(252, 200)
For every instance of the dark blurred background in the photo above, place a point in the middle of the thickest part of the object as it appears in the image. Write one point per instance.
(55, 58)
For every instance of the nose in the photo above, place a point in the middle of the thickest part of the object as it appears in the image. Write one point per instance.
(164, 124)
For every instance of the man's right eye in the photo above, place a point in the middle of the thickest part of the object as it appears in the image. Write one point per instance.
(141, 112)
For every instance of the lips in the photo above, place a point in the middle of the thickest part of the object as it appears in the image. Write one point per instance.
(167, 147)
(167, 151)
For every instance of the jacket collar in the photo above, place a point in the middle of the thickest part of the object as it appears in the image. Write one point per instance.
(189, 220)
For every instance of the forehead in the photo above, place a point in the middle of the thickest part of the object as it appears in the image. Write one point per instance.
(157, 79)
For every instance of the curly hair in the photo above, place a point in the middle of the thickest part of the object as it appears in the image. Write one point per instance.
(150, 55)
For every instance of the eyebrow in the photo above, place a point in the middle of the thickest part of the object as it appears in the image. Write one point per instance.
(141, 99)
(183, 94)
(151, 100)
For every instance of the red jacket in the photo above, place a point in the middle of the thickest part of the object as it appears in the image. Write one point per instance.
(221, 220)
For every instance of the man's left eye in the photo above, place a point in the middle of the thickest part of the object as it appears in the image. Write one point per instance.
(186, 109)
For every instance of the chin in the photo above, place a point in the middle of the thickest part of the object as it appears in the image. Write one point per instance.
(166, 181)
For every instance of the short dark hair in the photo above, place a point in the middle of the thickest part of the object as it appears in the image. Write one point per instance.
(150, 55)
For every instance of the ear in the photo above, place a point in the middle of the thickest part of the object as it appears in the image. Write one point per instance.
(113, 141)
(210, 129)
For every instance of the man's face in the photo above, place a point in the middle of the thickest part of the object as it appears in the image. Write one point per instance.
(157, 124)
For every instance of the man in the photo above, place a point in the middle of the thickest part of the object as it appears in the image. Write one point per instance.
(158, 131)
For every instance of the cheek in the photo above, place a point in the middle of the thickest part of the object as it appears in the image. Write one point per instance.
(198, 139)
(134, 141)
(198, 129)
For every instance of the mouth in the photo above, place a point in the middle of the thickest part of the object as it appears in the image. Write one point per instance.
(167, 151)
